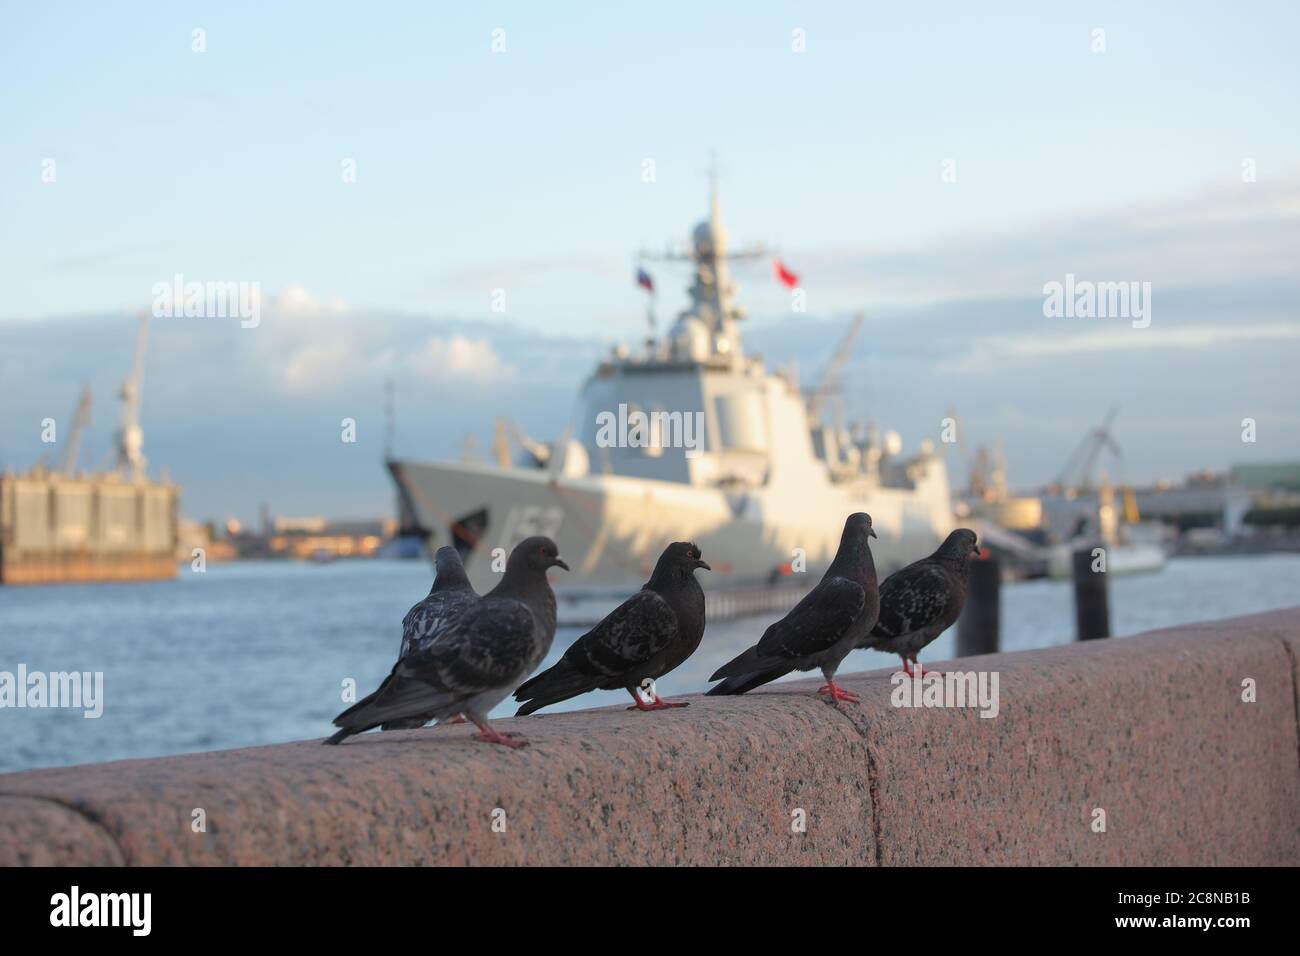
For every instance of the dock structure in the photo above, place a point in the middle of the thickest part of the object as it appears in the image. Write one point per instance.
(59, 525)
(57, 528)
(1170, 748)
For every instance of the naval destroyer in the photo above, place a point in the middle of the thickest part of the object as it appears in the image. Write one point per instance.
(686, 438)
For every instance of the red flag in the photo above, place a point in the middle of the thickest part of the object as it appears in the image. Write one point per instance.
(784, 275)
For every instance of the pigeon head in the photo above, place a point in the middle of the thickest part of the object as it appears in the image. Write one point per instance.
(680, 558)
(535, 554)
(959, 545)
(859, 523)
(450, 569)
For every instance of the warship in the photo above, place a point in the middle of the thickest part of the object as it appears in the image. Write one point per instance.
(686, 437)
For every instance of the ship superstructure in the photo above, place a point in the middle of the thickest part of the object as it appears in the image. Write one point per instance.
(687, 438)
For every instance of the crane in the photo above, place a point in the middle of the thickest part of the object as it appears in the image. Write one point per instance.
(130, 437)
(80, 419)
(830, 383)
(1077, 471)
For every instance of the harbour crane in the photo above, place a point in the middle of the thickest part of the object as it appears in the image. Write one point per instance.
(80, 419)
(130, 437)
(830, 384)
(1077, 471)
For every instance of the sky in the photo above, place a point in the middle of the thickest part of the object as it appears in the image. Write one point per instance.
(932, 164)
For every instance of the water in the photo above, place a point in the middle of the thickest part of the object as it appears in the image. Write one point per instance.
(256, 653)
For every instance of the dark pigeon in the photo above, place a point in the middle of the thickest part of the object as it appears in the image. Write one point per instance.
(641, 640)
(450, 595)
(478, 660)
(822, 628)
(921, 601)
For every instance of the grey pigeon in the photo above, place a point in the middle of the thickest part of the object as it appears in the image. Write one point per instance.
(921, 601)
(641, 640)
(477, 661)
(821, 629)
(450, 595)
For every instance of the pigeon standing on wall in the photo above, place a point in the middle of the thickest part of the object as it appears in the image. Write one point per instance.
(450, 595)
(822, 628)
(478, 660)
(641, 640)
(921, 601)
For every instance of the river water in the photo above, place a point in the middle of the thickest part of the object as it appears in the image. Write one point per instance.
(256, 652)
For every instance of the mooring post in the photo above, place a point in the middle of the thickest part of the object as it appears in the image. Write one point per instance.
(980, 621)
(1091, 604)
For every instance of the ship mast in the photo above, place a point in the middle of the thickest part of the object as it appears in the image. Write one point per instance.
(711, 289)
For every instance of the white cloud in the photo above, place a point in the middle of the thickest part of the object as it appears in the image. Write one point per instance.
(295, 300)
(312, 366)
(461, 359)
(999, 351)
(1226, 233)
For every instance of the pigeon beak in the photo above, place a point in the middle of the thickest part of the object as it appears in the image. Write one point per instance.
(871, 533)
(701, 563)
(559, 563)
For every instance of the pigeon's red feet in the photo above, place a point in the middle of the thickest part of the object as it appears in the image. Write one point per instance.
(660, 703)
(838, 693)
(655, 703)
(505, 738)
(639, 702)
(907, 669)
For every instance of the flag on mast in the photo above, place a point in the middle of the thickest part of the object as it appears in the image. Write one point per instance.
(784, 275)
(644, 281)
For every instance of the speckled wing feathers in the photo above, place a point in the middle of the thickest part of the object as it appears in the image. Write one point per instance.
(489, 646)
(816, 623)
(914, 598)
(633, 633)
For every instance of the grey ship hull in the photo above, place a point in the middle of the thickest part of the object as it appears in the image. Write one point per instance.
(611, 528)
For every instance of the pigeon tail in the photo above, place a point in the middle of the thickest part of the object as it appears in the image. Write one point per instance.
(553, 685)
(397, 698)
(750, 662)
(338, 738)
(741, 683)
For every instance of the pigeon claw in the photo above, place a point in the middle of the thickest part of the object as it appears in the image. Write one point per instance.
(907, 669)
(513, 741)
(661, 704)
(505, 738)
(656, 703)
(838, 693)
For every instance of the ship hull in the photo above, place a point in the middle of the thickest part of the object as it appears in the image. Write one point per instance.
(610, 529)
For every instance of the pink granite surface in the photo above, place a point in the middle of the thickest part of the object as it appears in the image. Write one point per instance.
(1150, 729)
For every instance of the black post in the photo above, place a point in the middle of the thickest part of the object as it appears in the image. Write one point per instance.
(978, 626)
(1091, 605)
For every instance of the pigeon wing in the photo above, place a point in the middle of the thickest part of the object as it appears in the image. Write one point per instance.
(912, 598)
(630, 635)
(815, 623)
(488, 646)
(423, 622)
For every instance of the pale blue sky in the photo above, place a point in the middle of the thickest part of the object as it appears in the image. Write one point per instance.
(523, 171)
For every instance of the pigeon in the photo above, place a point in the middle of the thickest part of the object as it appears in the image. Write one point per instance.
(450, 595)
(822, 628)
(921, 601)
(478, 660)
(641, 640)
